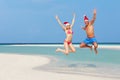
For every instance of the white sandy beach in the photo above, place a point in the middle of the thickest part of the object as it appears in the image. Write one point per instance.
(20, 67)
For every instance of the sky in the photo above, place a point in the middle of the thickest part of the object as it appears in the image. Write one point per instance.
(33, 21)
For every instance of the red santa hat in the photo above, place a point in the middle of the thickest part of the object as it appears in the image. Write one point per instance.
(66, 23)
(85, 18)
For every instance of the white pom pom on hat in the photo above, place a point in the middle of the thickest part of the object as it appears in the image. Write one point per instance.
(66, 23)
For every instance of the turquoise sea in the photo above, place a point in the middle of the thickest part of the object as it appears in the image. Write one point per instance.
(83, 62)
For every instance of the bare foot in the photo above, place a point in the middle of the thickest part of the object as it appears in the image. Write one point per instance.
(95, 49)
(58, 49)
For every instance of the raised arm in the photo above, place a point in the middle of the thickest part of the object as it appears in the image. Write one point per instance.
(73, 20)
(94, 17)
(60, 23)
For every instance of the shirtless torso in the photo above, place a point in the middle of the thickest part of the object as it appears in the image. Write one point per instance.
(90, 33)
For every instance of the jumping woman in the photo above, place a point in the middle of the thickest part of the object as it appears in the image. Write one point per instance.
(67, 27)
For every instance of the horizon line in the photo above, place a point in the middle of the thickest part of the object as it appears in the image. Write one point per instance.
(59, 43)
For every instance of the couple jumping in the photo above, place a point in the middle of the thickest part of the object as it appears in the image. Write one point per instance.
(67, 27)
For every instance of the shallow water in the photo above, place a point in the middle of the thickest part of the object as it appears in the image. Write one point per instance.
(84, 61)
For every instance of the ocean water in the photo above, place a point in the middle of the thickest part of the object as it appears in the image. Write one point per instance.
(83, 62)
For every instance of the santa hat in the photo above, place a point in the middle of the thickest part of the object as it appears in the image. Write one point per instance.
(66, 23)
(85, 18)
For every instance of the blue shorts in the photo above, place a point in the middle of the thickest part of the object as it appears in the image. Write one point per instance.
(90, 40)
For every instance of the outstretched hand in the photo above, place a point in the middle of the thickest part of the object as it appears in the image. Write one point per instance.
(83, 28)
(94, 12)
(56, 16)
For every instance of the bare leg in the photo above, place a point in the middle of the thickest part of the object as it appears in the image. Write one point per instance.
(65, 51)
(72, 48)
(95, 47)
(60, 50)
(83, 45)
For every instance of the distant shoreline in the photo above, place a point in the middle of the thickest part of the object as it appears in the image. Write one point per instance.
(53, 43)
(115, 46)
